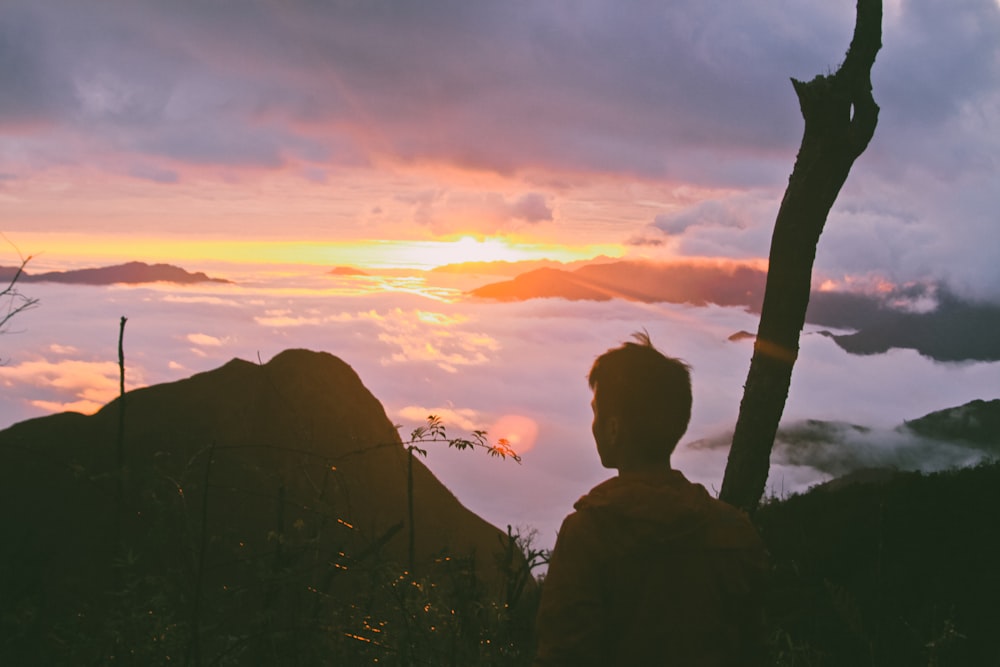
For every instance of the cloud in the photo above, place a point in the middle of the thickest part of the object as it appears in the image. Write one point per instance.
(463, 419)
(199, 299)
(836, 449)
(35, 88)
(482, 212)
(640, 241)
(531, 207)
(155, 174)
(67, 384)
(205, 340)
(449, 341)
(710, 212)
(493, 88)
(653, 91)
(280, 318)
(528, 359)
(433, 337)
(384, 102)
(968, 68)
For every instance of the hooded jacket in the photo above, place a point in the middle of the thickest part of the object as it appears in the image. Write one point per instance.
(651, 570)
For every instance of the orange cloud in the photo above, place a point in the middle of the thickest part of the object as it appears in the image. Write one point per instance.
(464, 419)
(205, 340)
(67, 384)
(434, 337)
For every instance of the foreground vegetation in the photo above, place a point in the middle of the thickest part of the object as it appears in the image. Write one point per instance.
(900, 571)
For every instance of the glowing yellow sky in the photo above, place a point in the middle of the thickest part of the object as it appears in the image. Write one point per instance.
(370, 254)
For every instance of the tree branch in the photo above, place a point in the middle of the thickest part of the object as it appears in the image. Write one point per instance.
(840, 116)
(12, 301)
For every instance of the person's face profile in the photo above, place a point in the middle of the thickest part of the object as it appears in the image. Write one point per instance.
(605, 430)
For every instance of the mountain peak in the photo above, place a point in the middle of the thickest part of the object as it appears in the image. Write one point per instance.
(300, 433)
(129, 273)
(976, 422)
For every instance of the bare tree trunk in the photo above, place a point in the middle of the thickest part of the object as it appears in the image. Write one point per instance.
(120, 444)
(840, 118)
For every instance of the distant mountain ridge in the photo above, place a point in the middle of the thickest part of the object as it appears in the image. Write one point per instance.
(955, 330)
(736, 285)
(513, 268)
(975, 422)
(346, 271)
(129, 273)
(953, 437)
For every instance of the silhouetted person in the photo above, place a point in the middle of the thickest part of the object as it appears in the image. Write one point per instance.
(649, 569)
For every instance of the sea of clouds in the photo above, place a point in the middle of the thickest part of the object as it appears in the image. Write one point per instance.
(517, 370)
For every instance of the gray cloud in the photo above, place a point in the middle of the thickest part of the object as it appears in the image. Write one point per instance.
(155, 174)
(555, 85)
(709, 213)
(840, 448)
(35, 89)
(640, 241)
(956, 46)
(531, 207)
(644, 91)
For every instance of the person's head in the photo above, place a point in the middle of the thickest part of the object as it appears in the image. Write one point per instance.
(642, 404)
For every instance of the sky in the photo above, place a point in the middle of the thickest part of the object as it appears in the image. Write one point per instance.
(266, 142)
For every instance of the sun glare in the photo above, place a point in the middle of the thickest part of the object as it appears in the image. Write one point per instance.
(518, 431)
(431, 254)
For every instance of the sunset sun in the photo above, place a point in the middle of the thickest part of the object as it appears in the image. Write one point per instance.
(431, 254)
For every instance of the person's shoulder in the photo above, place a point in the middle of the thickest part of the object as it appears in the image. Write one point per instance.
(598, 495)
(582, 537)
(733, 527)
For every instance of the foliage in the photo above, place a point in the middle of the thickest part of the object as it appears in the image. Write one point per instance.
(897, 572)
(435, 431)
(189, 584)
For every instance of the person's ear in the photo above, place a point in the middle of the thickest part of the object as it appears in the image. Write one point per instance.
(613, 431)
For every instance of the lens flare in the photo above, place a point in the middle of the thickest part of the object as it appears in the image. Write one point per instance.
(519, 431)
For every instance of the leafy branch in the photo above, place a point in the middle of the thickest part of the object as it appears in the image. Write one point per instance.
(435, 431)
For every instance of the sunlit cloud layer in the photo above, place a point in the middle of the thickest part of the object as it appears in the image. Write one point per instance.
(516, 370)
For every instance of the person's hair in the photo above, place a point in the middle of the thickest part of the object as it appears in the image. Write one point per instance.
(648, 392)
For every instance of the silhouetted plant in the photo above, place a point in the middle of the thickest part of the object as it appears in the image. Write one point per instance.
(297, 601)
(12, 300)
(434, 431)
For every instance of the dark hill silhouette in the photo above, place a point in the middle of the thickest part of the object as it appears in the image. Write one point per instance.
(976, 422)
(129, 273)
(306, 481)
(956, 330)
(901, 570)
(697, 284)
